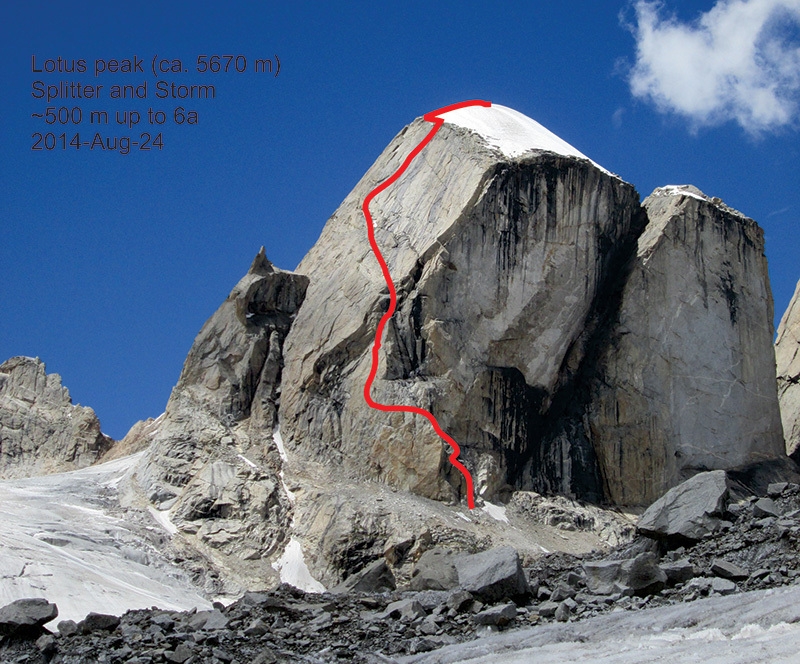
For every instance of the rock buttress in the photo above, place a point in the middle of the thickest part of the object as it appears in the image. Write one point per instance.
(498, 264)
(41, 431)
(686, 383)
(213, 467)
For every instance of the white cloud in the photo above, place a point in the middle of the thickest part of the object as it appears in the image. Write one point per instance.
(738, 61)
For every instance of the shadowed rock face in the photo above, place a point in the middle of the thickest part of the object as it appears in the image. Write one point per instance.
(787, 355)
(212, 467)
(41, 431)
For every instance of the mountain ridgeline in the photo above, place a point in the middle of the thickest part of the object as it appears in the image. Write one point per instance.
(571, 338)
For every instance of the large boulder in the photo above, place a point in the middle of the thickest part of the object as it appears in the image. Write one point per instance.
(435, 570)
(98, 622)
(25, 617)
(689, 511)
(41, 431)
(787, 356)
(492, 575)
(374, 578)
(635, 576)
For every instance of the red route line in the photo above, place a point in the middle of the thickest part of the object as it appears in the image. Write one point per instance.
(437, 121)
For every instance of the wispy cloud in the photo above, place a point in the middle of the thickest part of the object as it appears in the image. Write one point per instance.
(775, 213)
(739, 61)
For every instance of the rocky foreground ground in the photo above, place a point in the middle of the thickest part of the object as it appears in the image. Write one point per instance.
(702, 541)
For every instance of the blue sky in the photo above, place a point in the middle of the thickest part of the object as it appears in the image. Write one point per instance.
(111, 263)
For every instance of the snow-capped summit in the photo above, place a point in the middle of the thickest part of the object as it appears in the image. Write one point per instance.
(510, 131)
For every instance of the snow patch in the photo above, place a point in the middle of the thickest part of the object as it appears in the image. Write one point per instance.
(681, 190)
(510, 131)
(464, 516)
(497, 512)
(163, 520)
(276, 436)
(247, 461)
(293, 569)
(291, 566)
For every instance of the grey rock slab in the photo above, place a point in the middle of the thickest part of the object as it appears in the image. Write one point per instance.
(181, 653)
(562, 592)
(643, 575)
(266, 656)
(775, 489)
(222, 655)
(430, 599)
(765, 507)
(164, 621)
(563, 612)
(435, 570)
(209, 620)
(603, 576)
(639, 575)
(728, 570)
(492, 575)
(67, 627)
(459, 600)
(499, 615)
(430, 625)
(679, 571)
(690, 510)
(253, 598)
(257, 628)
(766, 522)
(547, 609)
(404, 609)
(47, 645)
(98, 622)
(722, 586)
(376, 577)
(26, 615)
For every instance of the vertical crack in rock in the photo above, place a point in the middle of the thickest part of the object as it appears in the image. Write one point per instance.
(564, 460)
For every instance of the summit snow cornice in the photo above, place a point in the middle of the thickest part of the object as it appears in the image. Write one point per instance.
(511, 132)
